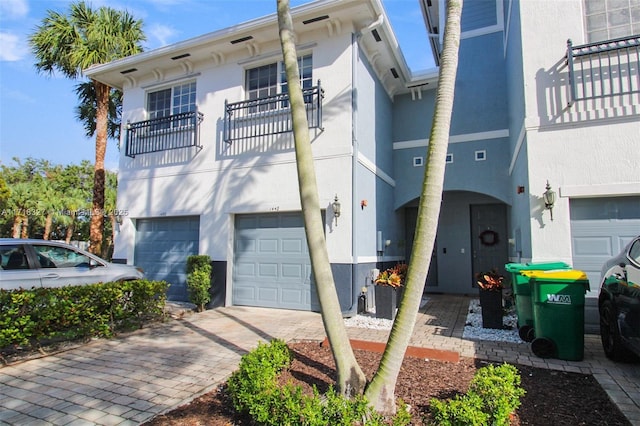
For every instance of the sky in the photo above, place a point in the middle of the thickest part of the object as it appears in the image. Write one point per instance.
(37, 111)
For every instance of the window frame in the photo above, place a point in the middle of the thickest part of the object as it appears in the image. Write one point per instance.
(190, 89)
(305, 66)
(612, 29)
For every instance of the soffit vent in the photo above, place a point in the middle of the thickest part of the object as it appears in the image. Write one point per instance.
(394, 73)
(240, 40)
(130, 70)
(316, 19)
(184, 55)
(376, 35)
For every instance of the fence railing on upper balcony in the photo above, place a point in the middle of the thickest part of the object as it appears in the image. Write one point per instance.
(270, 115)
(162, 134)
(604, 69)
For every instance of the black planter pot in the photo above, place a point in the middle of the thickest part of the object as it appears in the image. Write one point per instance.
(386, 302)
(491, 304)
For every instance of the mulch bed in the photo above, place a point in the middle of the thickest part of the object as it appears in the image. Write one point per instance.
(553, 397)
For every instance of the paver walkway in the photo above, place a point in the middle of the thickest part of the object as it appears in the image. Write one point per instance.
(133, 378)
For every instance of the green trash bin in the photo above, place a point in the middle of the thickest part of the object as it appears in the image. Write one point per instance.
(558, 313)
(522, 293)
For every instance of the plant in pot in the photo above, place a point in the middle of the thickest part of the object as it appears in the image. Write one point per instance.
(388, 282)
(490, 286)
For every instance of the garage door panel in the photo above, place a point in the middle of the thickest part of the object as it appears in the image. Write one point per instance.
(292, 270)
(600, 229)
(278, 249)
(162, 247)
(268, 246)
(292, 296)
(593, 246)
(268, 270)
(268, 295)
(292, 246)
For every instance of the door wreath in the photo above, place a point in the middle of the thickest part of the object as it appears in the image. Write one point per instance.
(489, 238)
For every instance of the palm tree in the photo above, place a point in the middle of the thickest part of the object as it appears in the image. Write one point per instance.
(70, 44)
(381, 390)
(351, 379)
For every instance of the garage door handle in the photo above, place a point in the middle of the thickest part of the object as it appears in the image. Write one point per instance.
(51, 276)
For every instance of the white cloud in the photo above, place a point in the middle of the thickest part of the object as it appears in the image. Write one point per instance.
(14, 9)
(12, 48)
(160, 35)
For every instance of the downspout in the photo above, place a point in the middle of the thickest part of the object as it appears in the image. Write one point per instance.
(355, 286)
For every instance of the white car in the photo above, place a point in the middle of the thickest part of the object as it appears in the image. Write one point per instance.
(28, 263)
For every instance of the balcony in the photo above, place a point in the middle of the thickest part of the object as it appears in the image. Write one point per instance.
(269, 116)
(162, 134)
(604, 69)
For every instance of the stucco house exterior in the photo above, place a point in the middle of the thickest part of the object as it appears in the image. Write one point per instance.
(207, 162)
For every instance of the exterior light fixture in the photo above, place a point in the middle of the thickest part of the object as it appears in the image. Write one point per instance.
(336, 209)
(119, 218)
(549, 199)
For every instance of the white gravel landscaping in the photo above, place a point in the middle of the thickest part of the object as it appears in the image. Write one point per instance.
(473, 329)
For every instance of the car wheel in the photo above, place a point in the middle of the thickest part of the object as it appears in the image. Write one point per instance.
(610, 334)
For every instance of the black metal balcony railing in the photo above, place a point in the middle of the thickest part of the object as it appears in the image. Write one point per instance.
(270, 115)
(162, 134)
(604, 69)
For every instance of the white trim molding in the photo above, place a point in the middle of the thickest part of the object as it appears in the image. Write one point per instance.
(604, 190)
(368, 164)
(468, 137)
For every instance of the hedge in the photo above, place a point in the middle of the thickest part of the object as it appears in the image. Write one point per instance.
(38, 316)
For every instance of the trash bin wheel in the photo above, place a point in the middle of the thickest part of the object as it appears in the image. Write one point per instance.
(543, 347)
(526, 333)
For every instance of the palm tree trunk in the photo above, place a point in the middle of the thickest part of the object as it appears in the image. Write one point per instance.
(97, 217)
(351, 379)
(25, 227)
(47, 226)
(17, 225)
(381, 391)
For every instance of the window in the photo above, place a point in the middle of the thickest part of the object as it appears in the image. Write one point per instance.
(171, 101)
(449, 158)
(262, 82)
(60, 257)
(13, 257)
(481, 155)
(609, 19)
(418, 161)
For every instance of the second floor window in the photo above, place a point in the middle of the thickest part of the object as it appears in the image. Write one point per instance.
(174, 100)
(610, 19)
(270, 80)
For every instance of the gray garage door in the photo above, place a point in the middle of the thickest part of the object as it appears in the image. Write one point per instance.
(271, 266)
(600, 228)
(162, 247)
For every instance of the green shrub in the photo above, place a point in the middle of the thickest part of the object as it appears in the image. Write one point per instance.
(494, 393)
(254, 391)
(199, 280)
(42, 315)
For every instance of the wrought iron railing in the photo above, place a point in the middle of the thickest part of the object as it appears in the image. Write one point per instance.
(162, 134)
(604, 69)
(269, 116)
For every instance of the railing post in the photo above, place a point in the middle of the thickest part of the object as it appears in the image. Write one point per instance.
(127, 140)
(572, 80)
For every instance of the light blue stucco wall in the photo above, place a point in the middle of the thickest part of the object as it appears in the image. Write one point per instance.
(478, 14)
(373, 123)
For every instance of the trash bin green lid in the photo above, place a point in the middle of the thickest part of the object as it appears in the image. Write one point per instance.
(517, 267)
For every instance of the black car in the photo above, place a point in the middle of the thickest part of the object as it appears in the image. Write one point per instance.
(619, 304)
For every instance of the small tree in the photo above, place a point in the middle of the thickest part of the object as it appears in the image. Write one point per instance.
(199, 280)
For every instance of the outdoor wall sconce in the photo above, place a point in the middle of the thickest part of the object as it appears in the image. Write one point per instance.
(363, 204)
(336, 209)
(549, 199)
(119, 219)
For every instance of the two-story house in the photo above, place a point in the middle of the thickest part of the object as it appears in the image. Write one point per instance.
(207, 162)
